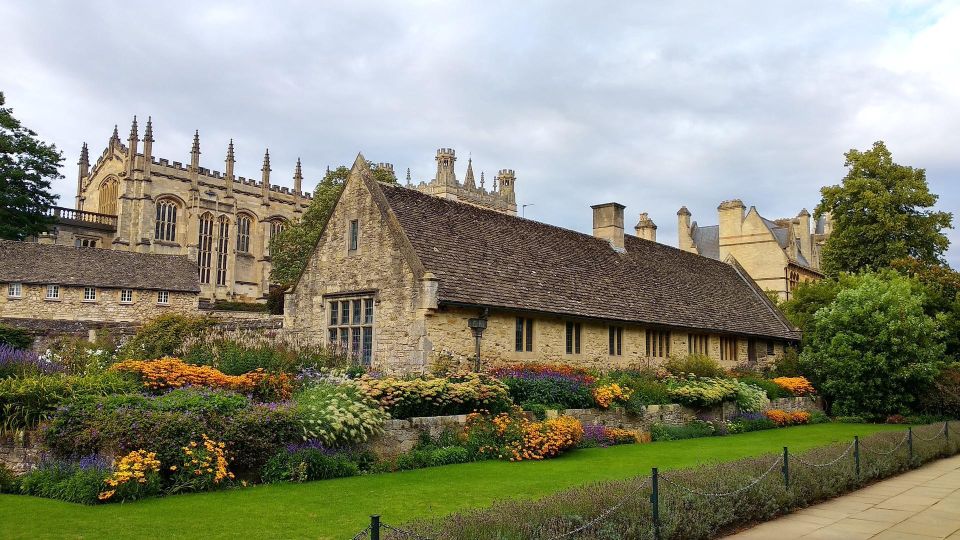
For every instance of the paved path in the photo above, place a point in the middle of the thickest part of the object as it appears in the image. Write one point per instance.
(918, 505)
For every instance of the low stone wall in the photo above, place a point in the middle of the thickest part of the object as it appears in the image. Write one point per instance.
(790, 404)
(19, 452)
(400, 436)
(45, 331)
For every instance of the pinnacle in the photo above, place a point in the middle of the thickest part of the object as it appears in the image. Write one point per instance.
(196, 142)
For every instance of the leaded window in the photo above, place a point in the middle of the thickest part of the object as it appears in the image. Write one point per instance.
(163, 297)
(698, 344)
(166, 225)
(53, 292)
(658, 344)
(108, 197)
(14, 290)
(728, 348)
(524, 335)
(573, 338)
(205, 243)
(126, 296)
(243, 234)
(89, 294)
(615, 340)
(350, 326)
(223, 237)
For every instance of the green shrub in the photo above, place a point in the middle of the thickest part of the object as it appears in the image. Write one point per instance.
(700, 365)
(787, 364)
(236, 352)
(850, 420)
(771, 388)
(15, 337)
(818, 417)
(449, 455)
(254, 307)
(538, 410)
(27, 401)
(308, 464)
(163, 336)
(691, 430)
(646, 388)
(338, 415)
(750, 398)
(67, 481)
(255, 433)
(702, 392)
(436, 396)
(746, 423)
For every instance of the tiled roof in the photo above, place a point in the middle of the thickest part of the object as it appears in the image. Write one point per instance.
(487, 258)
(707, 240)
(28, 262)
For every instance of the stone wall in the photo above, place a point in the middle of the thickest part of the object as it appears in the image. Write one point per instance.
(19, 452)
(70, 305)
(447, 331)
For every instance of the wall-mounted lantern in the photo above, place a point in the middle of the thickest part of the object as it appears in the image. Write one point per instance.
(477, 325)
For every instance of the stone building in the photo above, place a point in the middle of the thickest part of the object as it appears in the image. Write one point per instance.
(130, 200)
(397, 275)
(777, 254)
(501, 196)
(51, 282)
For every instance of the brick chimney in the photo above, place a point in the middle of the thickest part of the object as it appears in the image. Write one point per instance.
(608, 223)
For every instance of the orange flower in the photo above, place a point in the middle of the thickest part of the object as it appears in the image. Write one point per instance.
(798, 386)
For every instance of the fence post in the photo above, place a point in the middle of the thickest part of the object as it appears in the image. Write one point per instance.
(856, 454)
(946, 430)
(786, 467)
(655, 501)
(910, 444)
(375, 527)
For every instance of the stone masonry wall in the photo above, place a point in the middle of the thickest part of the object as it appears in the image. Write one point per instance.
(447, 331)
(19, 452)
(33, 304)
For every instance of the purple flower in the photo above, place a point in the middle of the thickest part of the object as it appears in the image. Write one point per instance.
(20, 362)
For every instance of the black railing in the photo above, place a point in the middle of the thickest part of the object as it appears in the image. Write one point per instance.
(82, 217)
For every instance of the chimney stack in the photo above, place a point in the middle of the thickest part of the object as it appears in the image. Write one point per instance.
(608, 223)
(646, 228)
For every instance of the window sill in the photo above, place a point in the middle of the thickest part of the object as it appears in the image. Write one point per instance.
(126, 303)
(89, 302)
(14, 298)
(163, 305)
(51, 299)
(166, 243)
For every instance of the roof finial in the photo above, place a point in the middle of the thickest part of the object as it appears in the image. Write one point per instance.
(196, 143)
(297, 178)
(266, 161)
(408, 177)
(468, 180)
(84, 155)
(482, 180)
(230, 151)
(148, 134)
(115, 138)
(134, 133)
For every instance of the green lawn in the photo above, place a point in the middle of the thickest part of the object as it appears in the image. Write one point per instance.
(339, 508)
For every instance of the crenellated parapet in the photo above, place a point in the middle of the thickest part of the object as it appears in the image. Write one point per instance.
(501, 197)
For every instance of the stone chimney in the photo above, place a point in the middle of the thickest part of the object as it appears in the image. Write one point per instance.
(608, 223)
(805, 234)
(646, 228)
(684, 240)
(731, 218)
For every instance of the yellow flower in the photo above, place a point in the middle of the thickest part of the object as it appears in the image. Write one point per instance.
(173, 467)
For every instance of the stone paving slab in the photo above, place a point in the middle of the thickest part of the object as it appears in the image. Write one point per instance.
(922, 504)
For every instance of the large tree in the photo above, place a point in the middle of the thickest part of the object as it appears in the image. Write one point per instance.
(290, 250)
(27, 166)
(881, 212)
(874, 351)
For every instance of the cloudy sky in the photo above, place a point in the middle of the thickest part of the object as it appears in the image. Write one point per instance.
(654, 106)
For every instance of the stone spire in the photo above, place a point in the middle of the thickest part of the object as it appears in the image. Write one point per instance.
(468, 181)
(298, 179)
(83, 170)
(265, 182)
(115, 138)
(408, 177)
(148, 144)
(195, 162)
(482, 181)
(148, 134)
(229, 169)
(132, 141)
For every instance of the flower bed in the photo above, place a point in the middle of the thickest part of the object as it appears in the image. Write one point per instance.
(797, 386)
(460, 394)
(551, 385)
(512, 436)
(168, 373)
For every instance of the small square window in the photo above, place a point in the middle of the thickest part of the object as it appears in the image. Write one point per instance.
(163, 297)
(89, 294)
(14, 290)
(126, 296)
(53, 292)
(354, 235)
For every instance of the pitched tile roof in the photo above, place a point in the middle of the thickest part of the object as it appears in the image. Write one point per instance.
(28, 262)
(487, 258)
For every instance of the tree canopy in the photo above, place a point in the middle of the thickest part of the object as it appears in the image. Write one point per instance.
(291, 249)
(27, 167)
(881, 212)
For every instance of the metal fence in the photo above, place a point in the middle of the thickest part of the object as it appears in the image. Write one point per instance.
(659, 502)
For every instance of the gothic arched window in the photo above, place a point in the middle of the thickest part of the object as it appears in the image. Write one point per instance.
(166, 226)
(276, 227)
(243, 233)
(223, 238)
(206, 247)
(108, 196)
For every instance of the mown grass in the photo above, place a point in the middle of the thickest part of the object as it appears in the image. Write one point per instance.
(339, 508)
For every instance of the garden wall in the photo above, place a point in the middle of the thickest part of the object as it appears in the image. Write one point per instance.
(401, 435)
(19, 452)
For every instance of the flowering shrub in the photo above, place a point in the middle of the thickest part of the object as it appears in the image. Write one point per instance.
(605, 395)
(746, 422)
(784, 418)
(203, 466)
(135, 476)
(750, 398)
(405, 398)
(702, 392)
(554, 385)
(798, 386)
(175, 373)
(20, 363)
(338, 415)
(512, 436)
(25, 402)
(599, 435)
(73, 481)
(800, 417)
(308, 463)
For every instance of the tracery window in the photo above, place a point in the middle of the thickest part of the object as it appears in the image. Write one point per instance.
(350, 326)
(223, 236)
(276, 227)
(243, 234)
(166, 227)
(206, 246)
(108, 197)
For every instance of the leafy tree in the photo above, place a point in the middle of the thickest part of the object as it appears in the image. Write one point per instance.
(291, 249)
(873, 350)
(881, 212)
(27, 166)
(942, 296)
(810, 296)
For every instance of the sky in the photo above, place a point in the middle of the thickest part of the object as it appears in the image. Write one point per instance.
(654, 105)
